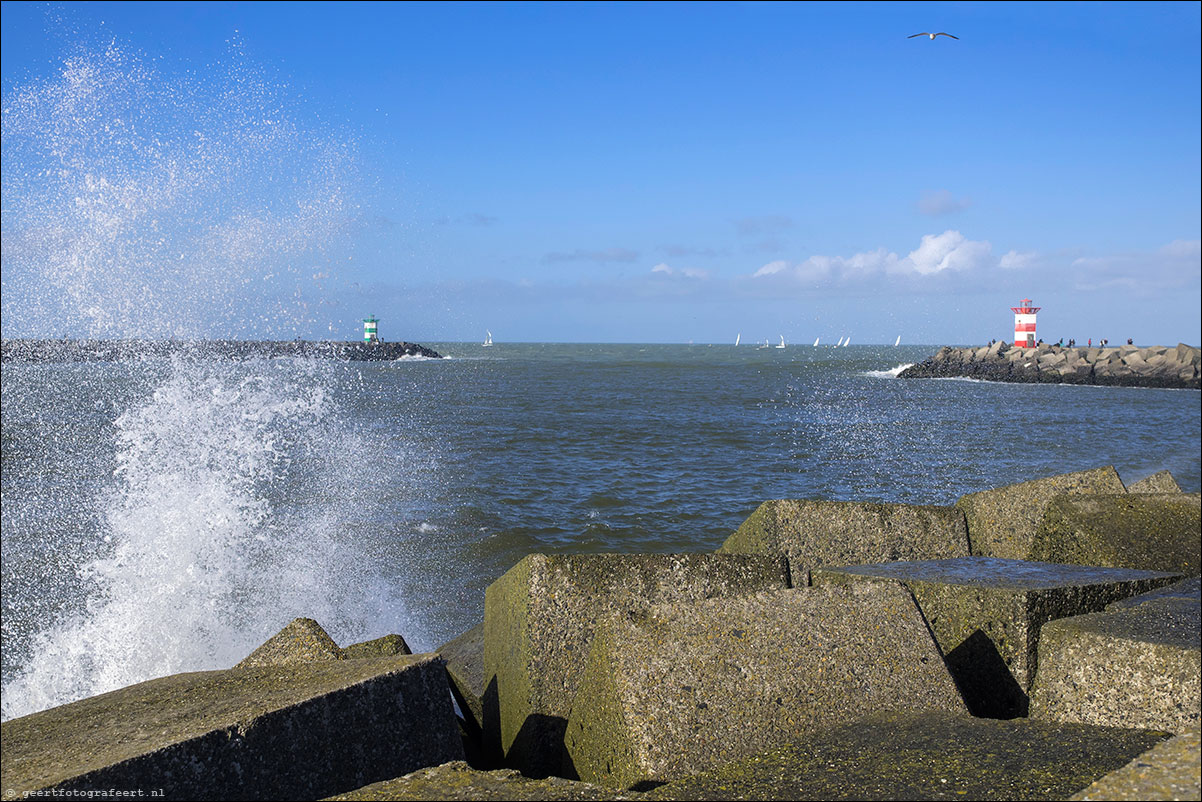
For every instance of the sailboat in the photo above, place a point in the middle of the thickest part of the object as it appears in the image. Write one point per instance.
(782, 342)
(898, 342)
(737, 338)
(488, 339)
(815, 342)
(848, 341)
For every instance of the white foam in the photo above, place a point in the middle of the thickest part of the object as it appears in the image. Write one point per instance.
(891, 373)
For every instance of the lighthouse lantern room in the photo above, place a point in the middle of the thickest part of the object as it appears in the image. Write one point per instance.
(1024, 324)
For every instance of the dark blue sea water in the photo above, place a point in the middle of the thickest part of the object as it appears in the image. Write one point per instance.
(166, 515)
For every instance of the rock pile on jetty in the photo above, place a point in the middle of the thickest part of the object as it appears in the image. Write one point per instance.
(1035, 641)
(1126, 365)
(115, 350)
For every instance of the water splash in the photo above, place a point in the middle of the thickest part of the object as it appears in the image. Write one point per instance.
(142, 205)
(138, 205)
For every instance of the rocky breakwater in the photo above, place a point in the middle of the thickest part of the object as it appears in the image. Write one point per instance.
(1019, 644)
(116, 350)
(1127, 365)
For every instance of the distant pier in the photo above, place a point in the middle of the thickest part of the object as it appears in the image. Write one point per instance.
(1126, 365)
(117, 350)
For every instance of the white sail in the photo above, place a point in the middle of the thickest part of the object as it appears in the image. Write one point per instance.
(782, 342)
(737, 338)
(898, 342)
(848, 341)
(815, 342)
(488, 340)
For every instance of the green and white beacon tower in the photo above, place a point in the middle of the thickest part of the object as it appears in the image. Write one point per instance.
(369, 329)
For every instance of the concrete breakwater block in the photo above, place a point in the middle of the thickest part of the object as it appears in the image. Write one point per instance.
(386, 646)
(812, 534)
(1160, 482)
(1136, 664)
(924, 756)
(1170, 770)
(459, 781)
(284, 731)
(986, 614)
(1002, 521)
(465, 670)
(539, 620)
(1156, 531)
(690, 687)
(301, 641)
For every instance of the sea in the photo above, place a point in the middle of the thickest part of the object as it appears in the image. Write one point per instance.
(165, 515)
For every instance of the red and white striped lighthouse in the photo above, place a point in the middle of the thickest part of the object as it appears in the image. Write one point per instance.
(1024, 324)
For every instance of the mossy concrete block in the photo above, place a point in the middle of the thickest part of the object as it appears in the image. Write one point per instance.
(690, 687)
(459, 781)
(539, 620)
(465, 668)
(1136, 665)
(1158, 532)
(380, 647)
(924, 756)
(281, 731)
(1002, 521)
(812, 534)
(986, 614)
(1170, 770)
(1162, 482)
(301, 641)
(1189, 589)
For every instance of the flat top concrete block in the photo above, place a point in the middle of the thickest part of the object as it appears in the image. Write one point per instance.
(1169, 620)
(932, 756)
(998, 573)
(1170, 770)
(1185, 589)
(813, 533)
(539, 619)
(687, 686)
(1002, 521)
(1159, 531)
(459, 781)
(1161, 482)
(48, 747)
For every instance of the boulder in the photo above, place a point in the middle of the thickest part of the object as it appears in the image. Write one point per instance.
(1154, 531)
(1169, 770)
(459, 781)
(1162, 482)
(278, 731)
(538, 624)
(1136, 665)
(380, 647)
(689, 687)
(811, 534)
(924, 756)
(986, 614)
(1002, 521)
(301, 641)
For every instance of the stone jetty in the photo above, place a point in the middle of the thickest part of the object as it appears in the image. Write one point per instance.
(829, 650)
(1126, 365)
(116, 350)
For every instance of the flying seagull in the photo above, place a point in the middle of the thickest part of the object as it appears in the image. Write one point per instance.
(933, 35)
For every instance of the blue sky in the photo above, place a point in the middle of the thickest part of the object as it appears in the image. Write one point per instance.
(667, 172)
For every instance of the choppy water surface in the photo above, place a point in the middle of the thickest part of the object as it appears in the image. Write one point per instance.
(160, 517)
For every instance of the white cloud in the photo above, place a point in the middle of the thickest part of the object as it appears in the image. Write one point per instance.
(949, 251)
(1013, 260)
(1183, 249)
(681, 272)
(771, 268)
